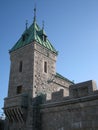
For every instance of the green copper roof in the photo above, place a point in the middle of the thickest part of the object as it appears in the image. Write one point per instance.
(62, 77)
(34, 33)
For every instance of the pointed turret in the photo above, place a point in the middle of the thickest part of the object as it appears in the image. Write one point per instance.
(34, 33)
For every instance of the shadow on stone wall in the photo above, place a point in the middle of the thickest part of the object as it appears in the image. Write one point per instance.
(2, 124)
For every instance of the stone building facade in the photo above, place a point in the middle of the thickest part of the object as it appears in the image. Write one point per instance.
(39, 98)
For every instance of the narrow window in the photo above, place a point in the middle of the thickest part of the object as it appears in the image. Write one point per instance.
(45, 67)
(20, 66)
(44, 38)
(23, 38)
(19, 89)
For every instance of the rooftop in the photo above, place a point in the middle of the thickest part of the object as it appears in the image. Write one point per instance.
(34, 33)
(62, 77)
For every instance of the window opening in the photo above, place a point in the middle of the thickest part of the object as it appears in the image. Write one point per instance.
(44, 38)
(19, 89)
(23, 37)
(20, 66)
(45, 67)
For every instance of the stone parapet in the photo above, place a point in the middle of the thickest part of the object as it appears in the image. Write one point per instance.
(18, 100)
(82, 89)
(77, 92)
(77, 111)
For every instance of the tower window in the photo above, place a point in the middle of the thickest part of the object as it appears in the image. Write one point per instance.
(45, 67)
(20, 66)
(44, 38)
(19, 89)
(23, 37)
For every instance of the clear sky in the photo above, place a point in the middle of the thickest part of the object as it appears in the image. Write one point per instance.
(71, 26)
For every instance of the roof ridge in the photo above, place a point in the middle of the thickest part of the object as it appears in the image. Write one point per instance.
(62, 77)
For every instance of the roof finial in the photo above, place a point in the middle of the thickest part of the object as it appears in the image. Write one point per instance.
(43, 24)
(26, 24)
(35, 13)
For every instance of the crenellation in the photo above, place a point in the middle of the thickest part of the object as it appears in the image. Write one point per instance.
(78, 114)
(82, 89)
(59, 95)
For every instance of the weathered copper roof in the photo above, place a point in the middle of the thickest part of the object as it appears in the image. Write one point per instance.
(62, 77)
(34, 33)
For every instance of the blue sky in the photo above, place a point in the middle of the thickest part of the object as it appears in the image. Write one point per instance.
(71, 26)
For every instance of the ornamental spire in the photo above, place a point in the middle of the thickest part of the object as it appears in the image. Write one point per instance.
(34, 23)
(43, 25)
(35, 13)
(26, 24)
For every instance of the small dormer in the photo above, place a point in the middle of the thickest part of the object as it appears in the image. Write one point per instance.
(25, 36)
(44, 37)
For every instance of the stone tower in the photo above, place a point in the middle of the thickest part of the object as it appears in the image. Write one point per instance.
(32, 73)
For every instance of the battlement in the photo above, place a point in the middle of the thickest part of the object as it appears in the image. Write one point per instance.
(58, 95)
(77, 111)
(82, 89)
(79, 90)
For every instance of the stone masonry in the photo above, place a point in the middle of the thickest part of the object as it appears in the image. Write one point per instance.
(78, 111)
(39, 98)
(29, 77)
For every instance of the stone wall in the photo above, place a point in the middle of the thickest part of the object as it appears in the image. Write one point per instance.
(46, 83)
(72, 112)
(18, 109)
(2, 124)
(41, 55)
(18, 106)
(24, 78)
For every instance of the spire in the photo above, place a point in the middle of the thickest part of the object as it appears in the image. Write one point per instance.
(35, 13)
(43, 25)
(34, 23)
(26, 24)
